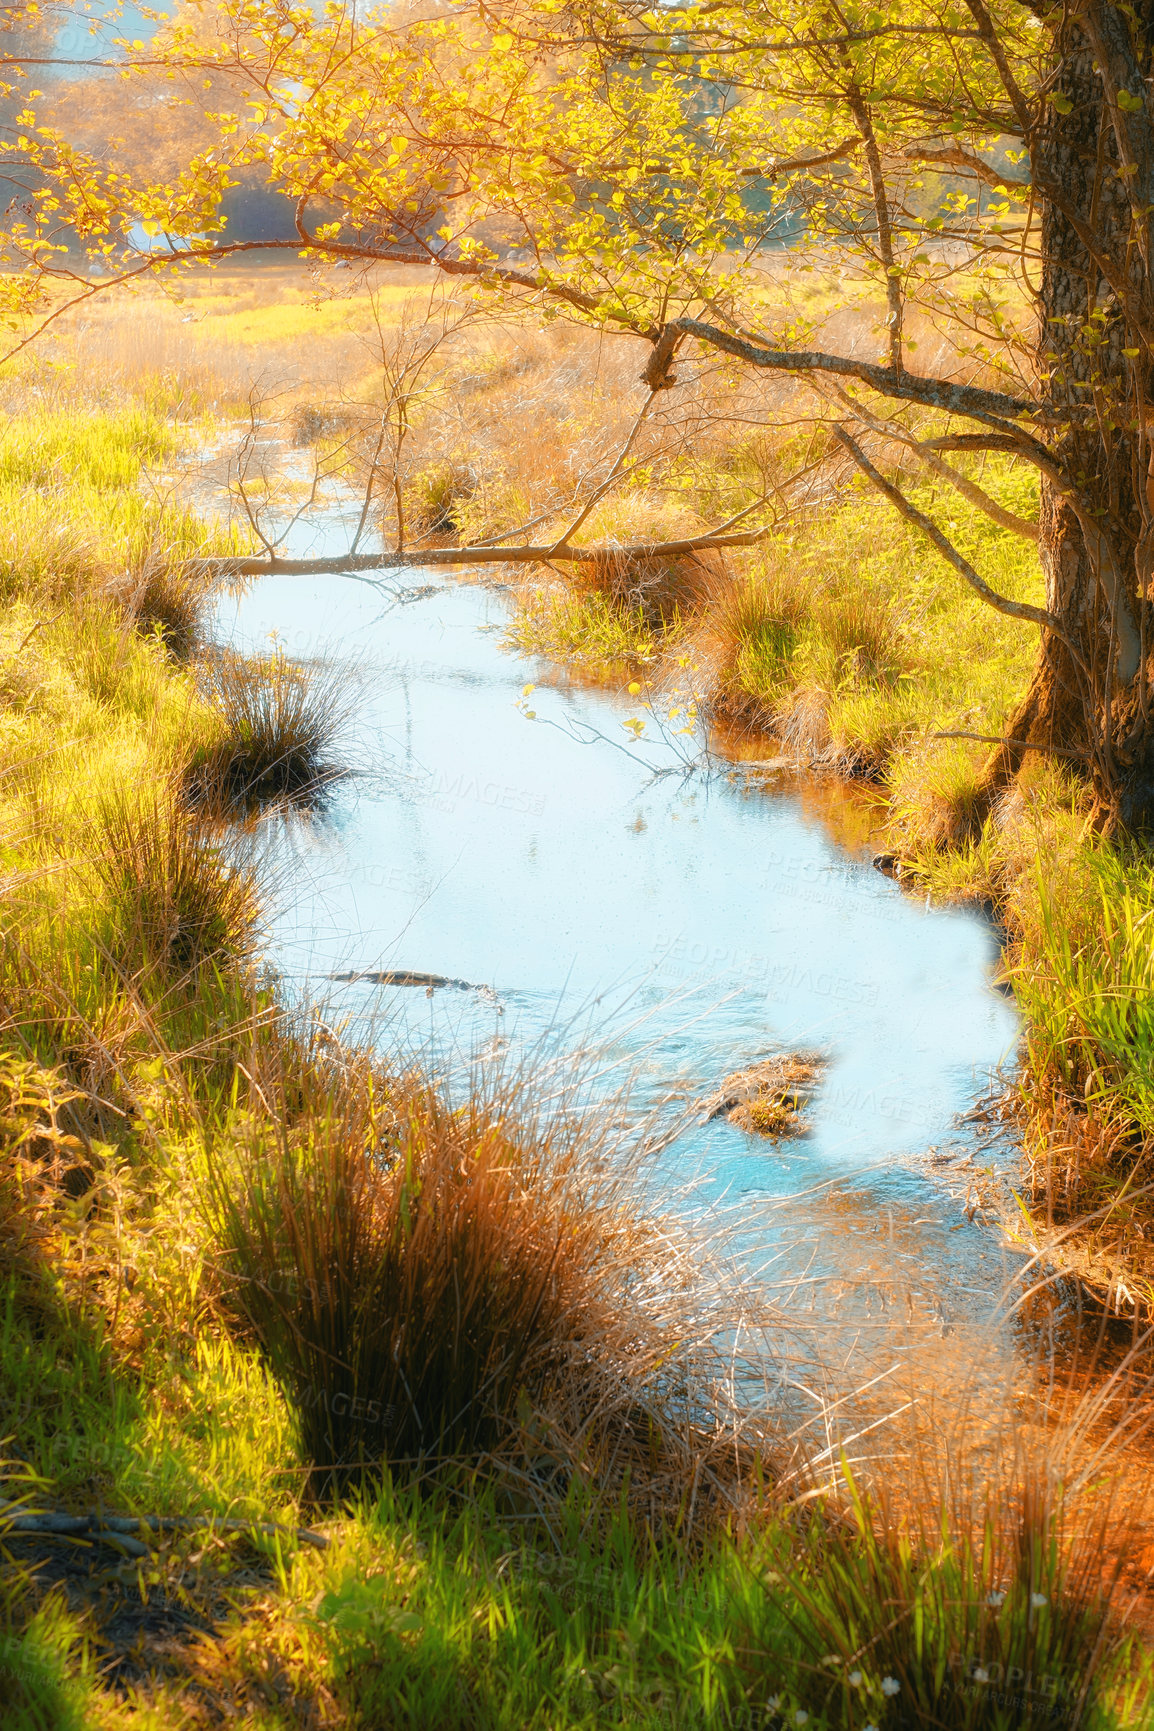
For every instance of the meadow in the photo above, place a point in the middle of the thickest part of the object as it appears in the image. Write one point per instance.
(388, 1411)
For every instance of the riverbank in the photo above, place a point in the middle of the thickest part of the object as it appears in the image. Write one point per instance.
(186, 1336)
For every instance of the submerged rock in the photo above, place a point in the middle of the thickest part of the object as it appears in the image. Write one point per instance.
(769, 1098)
(411, 977)
(404, 977)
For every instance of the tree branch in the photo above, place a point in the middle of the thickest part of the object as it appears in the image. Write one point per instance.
(927, 451)
(956, 157)
(997, 53)
(122, 1531)
(859, 108)
(343, 564)
(1003, 604)
(995, 408)
(1018, 744)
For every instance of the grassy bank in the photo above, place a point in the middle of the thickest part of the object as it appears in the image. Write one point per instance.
(845, 638)
(849, 647)
(435, 1407)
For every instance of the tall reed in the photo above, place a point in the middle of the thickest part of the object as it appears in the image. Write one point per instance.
(430, 1278)
(282, 721)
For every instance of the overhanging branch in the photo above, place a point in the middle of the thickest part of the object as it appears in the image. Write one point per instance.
(347, 564)
(996, 408)
(1003, 604)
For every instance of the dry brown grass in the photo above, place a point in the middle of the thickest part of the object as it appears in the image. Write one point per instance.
(664, 592)
(474, 1279)
(1090, 1183)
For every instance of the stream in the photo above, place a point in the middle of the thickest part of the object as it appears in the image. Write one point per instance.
(666, 928)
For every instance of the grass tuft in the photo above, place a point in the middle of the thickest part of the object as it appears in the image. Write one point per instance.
(665, 592)
(430, 1280)
(282, 721)
(174, 898)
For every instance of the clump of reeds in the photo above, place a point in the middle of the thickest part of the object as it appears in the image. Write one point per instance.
(1083, 974)
(281, 723)
(980, 1618)
(664, 591)
(858, 629)
(170, 598)
(173, 897)
(435, 494)
(937, 795)
(755, 627)
(434, 1280)
(583, 629)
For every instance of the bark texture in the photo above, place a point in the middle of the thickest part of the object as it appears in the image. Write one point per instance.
(1093, 166)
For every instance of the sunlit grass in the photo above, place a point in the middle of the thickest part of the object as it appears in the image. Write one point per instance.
(587, 629)
(172, 1137)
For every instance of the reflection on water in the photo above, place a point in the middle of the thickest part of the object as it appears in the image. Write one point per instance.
(688, 927)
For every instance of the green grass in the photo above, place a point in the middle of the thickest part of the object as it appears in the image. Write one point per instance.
(860, 642)
(209, 1212)
(588, 630)
(1086, 980)
(433, 1610)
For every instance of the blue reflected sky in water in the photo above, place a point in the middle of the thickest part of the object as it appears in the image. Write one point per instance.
(685, 928)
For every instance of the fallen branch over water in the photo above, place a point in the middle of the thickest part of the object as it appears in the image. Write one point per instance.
(120, 1531)
(338, 564)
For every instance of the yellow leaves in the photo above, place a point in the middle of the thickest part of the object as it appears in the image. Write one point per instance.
(503, 43)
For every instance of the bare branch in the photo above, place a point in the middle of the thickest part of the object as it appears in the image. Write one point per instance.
(1017, 744)
(348, 564)
(859, 108)
(599, 492)
(1003, 604)
(956, 157)
(928, 453)
(995, 408)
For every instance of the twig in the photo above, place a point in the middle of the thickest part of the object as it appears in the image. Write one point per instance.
(40, 625)
(1018, 744)
(120, 1530)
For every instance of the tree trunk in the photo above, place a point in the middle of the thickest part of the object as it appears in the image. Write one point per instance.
(1088, 700)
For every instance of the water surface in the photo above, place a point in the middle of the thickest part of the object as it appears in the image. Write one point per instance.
(686, 925)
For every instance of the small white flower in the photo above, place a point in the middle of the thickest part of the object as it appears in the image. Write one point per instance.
(800, 1716)
(891, 1686)
(981, 1675)
(995, 1598)
(871, 1728)
(854, 1679)
(1037, 1600)
(773, 1703)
